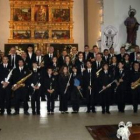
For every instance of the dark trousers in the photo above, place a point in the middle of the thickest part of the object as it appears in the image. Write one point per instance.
(50, 102)
(35, 101)
(21, 94)
(5, 98)
(135, 98)
(63, 102)
(75, 99)
(90, 98)
(105, 100)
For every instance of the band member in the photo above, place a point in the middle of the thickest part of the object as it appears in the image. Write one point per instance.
(88, 84)
(112, 53)
(35, 83)
(127, 63)
(13, 58)
(106, 57)
(95, 51)
(120, 57)
(97, 64)
(105, 80)
(50, 88)
(24, 58)
(61, 59)
(48, 57)
(39, 59)
(5, 87)
(135, 76)
(133, 55)
(121, 78)
(20, 92)
(68, 63)
(63, 84)
(80, 63)
(87, 55)
(55, 66)
(74, 55)
(76, 86)
(30, 56)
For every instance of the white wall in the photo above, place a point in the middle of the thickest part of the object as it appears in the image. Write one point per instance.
(115, 12)
(78, 17)
(4, 24)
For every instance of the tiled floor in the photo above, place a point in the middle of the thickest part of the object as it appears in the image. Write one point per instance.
(58, 126)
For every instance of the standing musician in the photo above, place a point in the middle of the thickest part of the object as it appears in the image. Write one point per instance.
(88, 84)
(35, 83)
(76, 86)
(61, 59)
(80, 63)
(20, 92)
(50, 88)
(13, 58)
(105, 79)
(135, 88)
(39, 59)
(55, 66)
(106, 57)
(30, 56)
(68, 63)
(87, 54)
(121, 77)
(5, 87)
(120, 57)
(74, 55)
(63, 84)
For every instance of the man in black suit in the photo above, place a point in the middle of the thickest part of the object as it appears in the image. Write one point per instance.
(5, 87)
(136, 91)
(87, 54)
(95, 52)
(111, 52)
(30, 56)
(13, 58)
(39, 59)
(20, 93)
(88, 84)
(61, 59)
(106, 57)
(133, 55)
(97, 64)
(48, 57)
(24, 58)
(35, 84)
(120, 57)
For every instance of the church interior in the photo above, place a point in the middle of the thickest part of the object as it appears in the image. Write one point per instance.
(69, 70)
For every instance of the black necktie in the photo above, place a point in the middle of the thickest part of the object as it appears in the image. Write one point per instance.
(12, 60)
(98, 65)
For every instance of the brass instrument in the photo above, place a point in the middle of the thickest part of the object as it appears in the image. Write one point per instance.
(136, 84)
(98, 72)
(21, 83)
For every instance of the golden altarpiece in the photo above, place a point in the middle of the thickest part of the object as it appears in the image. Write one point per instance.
(41, 22)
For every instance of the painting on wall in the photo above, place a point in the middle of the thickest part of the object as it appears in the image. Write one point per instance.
(21, 34)
(41, 13)
(61, 34)
(22, 14)
(41, 34)
(60, 15)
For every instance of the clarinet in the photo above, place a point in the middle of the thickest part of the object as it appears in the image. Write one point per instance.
(67, 84)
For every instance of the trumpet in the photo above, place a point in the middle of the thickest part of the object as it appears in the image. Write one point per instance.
(21, 83)
(135, 84)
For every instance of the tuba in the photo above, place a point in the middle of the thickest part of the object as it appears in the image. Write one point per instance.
(21, 83)
(136, 84)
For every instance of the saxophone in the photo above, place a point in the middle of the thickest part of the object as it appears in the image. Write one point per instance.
(136, 84)
(21, 83)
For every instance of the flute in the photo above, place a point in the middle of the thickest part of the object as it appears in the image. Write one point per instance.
(67, 84)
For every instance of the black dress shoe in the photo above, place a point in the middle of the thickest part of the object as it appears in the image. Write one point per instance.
(88, 111)
(26, 113)
(34, 113)
(108, 112)
(103, 112)
(8, 113)
(48, 113)
(66, 112)
(38, 113)
(16, 113)
(93, 111)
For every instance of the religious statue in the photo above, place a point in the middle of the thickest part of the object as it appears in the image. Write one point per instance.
(132, 25)
(109, 38)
